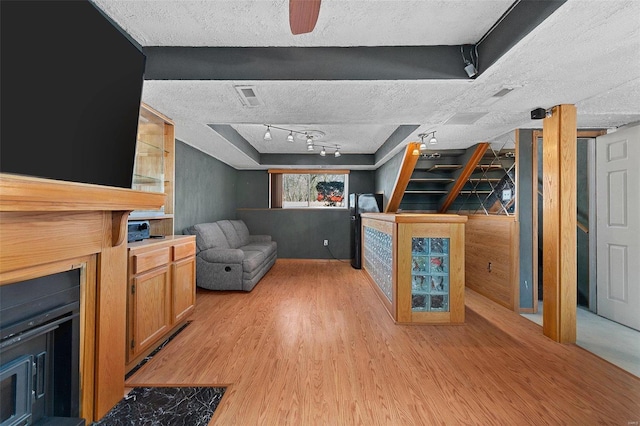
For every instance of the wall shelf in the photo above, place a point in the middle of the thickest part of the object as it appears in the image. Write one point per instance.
(154, 167)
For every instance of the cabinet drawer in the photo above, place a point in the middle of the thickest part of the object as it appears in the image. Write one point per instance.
(180, 251)
(149, 260)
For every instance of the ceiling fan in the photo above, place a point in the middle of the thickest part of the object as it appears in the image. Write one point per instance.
(303, 15)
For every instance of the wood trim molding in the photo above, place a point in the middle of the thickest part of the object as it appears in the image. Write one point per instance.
(464, 176)
(411, 155)
(537, 134)
(156, 112)
(310, 171)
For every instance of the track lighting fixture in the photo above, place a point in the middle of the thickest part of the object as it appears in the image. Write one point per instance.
(323, 151)
(432, 141)
(423, 145)
(471, 64)
(310, 136)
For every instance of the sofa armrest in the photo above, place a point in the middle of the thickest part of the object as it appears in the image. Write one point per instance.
(259, 238)
(214, 255)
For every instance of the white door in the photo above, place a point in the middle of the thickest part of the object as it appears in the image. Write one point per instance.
(618, 225)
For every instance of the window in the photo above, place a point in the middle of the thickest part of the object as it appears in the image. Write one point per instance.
(313, 188)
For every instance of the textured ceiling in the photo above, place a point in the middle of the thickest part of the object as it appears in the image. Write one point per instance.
(340, 22)
(586, 53)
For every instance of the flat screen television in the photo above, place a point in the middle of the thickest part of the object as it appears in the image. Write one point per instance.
(71, 84)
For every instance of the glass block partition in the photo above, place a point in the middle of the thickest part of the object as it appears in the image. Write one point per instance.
(378, 259)
(429, 274)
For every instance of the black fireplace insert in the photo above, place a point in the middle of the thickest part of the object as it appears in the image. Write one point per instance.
(39, 351)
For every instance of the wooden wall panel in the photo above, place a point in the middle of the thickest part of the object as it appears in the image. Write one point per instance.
(491, 262)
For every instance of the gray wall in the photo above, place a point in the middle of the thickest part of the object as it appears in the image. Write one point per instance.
(525, 216)
(298, 232)
(252, 189)
(205, 188)
(385, 176)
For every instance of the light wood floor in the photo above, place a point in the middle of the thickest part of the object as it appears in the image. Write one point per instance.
(312, 345)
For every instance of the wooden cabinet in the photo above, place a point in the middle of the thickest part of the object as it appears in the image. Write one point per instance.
(183, 278)
(149, 308)
(154, 167)
(161, 292)
(415, 263)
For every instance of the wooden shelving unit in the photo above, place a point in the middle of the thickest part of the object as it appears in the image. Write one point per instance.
(154, 169)
(161, 272)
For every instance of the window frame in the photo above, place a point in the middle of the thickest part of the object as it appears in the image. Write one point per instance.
(276, 186)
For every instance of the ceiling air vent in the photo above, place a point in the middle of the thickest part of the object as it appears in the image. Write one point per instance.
(465, 118)
(498, 95)
(248, 96)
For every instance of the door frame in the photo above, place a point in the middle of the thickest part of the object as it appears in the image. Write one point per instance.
(581, 134)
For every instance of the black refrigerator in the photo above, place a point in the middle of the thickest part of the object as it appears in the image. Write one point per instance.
(361, 203)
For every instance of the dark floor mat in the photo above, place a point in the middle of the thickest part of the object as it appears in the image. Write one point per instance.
(193, 406)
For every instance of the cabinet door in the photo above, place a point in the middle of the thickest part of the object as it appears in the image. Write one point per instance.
(150, 315)
(184, 288)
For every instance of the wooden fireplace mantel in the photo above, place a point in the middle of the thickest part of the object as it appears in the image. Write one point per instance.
(23, 193)
(47, 226)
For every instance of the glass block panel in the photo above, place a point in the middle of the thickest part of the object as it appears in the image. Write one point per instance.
(439, 264)
(430, 274)
(378, 258)
(439, 246)
(438, 284)
(438, 303)
(419, 302)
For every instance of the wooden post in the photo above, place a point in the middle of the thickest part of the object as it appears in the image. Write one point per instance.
(559, 227)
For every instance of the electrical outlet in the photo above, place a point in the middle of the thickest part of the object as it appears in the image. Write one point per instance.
(325, 243)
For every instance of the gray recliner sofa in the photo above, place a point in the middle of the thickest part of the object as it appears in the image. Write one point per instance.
(228, 258)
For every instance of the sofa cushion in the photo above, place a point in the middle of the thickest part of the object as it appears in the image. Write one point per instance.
(230, 233)
(252, 260)
(217, 255)
(242, 231)
(209, 235)
(266, 248)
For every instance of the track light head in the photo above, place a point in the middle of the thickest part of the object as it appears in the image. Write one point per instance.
(337, 153)
(290, 137)
(323, 152)
(432, 141)
(267, 134)
(310, 148)
(471, 70)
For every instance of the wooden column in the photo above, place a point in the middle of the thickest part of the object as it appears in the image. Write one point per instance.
(559, 227)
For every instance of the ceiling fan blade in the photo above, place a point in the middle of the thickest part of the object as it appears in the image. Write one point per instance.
(303, 15)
